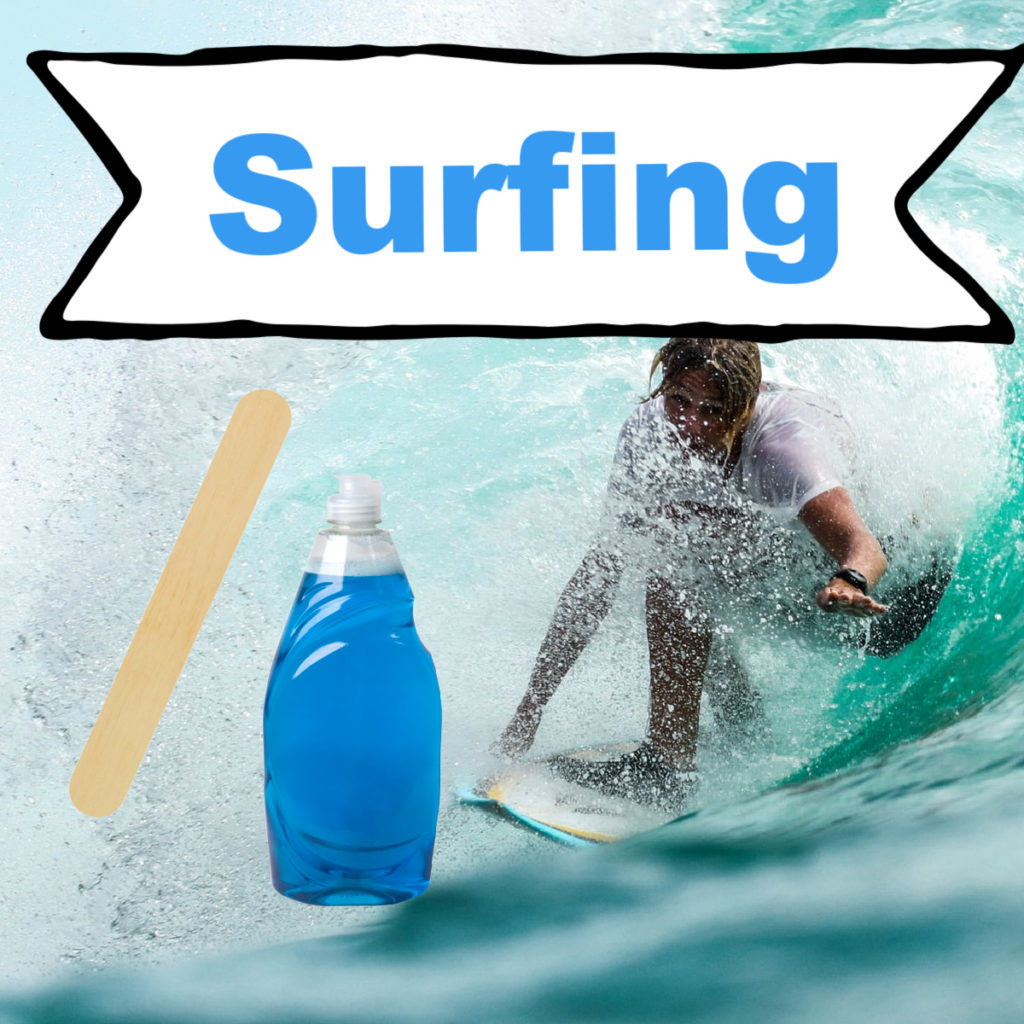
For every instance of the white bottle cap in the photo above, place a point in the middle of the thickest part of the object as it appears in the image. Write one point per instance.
(357, 500)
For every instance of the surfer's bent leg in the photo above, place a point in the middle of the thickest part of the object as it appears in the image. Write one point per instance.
(584, 603)
(679, 641)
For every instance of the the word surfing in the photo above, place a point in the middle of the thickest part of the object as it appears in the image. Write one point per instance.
(535, 178)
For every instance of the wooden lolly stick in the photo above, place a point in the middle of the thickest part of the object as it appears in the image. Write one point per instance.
(182, 597)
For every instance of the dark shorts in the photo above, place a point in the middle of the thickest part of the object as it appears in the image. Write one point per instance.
(911, 607)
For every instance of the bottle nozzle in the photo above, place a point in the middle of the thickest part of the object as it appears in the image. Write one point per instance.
(357, 500)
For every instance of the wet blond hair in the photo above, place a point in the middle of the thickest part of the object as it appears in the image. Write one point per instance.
(734, 365)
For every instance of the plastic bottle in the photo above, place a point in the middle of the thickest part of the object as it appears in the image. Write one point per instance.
(352, 722)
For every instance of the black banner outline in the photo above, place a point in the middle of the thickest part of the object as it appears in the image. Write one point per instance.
(53, 323)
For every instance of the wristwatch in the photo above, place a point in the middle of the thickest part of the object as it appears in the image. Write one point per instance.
(851, 576)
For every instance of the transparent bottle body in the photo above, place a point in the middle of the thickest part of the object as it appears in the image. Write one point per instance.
(351, 728)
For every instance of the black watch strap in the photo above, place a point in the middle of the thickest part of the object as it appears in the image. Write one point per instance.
(851, 576)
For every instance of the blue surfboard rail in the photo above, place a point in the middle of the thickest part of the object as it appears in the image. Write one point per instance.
(472, 798)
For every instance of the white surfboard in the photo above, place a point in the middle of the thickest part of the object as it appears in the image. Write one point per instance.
(533, 794)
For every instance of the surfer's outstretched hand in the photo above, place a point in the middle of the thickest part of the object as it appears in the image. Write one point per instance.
(519, 734)
(840, 596)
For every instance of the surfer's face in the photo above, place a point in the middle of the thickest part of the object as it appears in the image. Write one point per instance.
(696, 407)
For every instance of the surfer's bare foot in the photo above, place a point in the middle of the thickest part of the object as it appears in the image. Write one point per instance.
(520, 733)
(644, 775)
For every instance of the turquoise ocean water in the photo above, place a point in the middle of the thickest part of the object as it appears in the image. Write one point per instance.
(867, 864)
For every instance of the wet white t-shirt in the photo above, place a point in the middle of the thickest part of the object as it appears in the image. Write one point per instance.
(796, 447)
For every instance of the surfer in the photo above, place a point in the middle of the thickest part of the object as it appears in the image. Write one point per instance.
(697, 467)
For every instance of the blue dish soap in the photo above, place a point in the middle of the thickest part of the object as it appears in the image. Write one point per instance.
(352, 722)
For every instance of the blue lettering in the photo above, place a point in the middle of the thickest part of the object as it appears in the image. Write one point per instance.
(598, 193)
(654, 190)
(404, 228)
(462, 191)
(536, 178)
(292, 202)
(817, 225)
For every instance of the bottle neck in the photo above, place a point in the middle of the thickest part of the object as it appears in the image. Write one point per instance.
(364, 529)
(357, 549)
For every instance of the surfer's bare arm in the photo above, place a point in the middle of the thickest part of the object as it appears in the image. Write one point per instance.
(584, 603)
(835, 524)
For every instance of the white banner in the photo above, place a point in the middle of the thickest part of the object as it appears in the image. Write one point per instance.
(442, 190)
